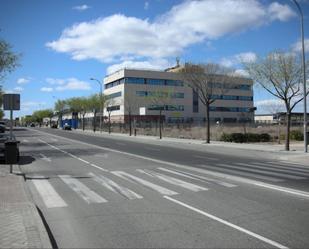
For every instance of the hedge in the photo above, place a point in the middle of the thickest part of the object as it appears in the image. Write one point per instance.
(243, 138)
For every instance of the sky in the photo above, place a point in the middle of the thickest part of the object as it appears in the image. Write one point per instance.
(65, 43)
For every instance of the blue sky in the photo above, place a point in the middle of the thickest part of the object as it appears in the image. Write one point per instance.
(64, 43)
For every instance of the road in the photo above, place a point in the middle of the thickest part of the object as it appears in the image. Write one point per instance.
(99, 192)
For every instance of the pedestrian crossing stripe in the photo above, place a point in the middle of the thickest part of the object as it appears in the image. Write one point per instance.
(82, 190)
(114, 187)
(160, 189)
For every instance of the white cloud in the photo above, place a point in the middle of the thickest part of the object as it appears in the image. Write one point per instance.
(53, 81)
(81, 7)
(158, 64)
(297, 47)
(47, 89)
(269, 106)
(280, 12)
(31, 105)
(237, 59)
(146, 5)
(18, 89)
(111, 38)
(242, 72)
(67, 84)
(23, 80)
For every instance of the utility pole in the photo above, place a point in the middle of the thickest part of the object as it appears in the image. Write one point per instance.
(304, 74)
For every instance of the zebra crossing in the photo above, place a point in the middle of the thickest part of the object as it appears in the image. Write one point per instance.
(158, 180)
(54, 199)
(270, 171)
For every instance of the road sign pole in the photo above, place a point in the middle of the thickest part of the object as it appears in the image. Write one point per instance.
(11, 126)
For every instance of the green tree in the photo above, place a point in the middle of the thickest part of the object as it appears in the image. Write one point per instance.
(60, 107)
(94, 105)
(8, 59)
(279, 73)
(40, 114)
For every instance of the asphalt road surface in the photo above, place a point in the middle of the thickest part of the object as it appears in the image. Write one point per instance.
(97, 192)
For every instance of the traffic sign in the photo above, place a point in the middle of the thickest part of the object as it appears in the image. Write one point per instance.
(11, 102)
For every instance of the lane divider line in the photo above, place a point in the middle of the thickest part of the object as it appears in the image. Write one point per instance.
(71, 155)
(252, 234)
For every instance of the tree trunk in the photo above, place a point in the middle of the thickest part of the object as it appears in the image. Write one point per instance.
(94, 120)
(287, 134)
(160, 124)
(130, 123)
(109, 123)
(207, 124)
(83, 122)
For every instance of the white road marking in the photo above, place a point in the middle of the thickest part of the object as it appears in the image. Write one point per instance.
(80, 159)
(48, 194)
(144, 172)
(82, 190)
(283, 167)
(268, 178)
(177, 182)
(43, 157)
(177, 165)
(287, 171)
(25, 141)
(283, 189)
(148, 184)
(114, 187)
(264, 172)
(252, 234)
(206, 158)
(198, 177)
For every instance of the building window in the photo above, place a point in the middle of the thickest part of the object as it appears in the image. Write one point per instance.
(133, 80)
(229, 97)
(155, 82)
(166, 107)
(245, 98)
(113, 108)
(177, 95)
(141, 93)
(174, 83)
(114, 95)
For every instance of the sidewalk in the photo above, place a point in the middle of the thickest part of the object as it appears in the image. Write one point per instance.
(276, 151)
(20, 223)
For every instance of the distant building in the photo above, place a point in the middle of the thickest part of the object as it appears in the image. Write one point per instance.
(131, 89)
(297, 118)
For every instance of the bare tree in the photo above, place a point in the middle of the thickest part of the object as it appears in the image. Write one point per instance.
(279, 73)
(208, 81)
(160, 100)
(110, 106)
(131, 104)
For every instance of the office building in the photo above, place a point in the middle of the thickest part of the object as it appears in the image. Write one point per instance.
(141, 94)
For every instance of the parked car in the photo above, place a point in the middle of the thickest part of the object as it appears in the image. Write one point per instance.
(54, 126)
(32, 125)
(2, 128)
(66, 126)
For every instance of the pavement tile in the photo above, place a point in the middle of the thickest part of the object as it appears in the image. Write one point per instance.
(20, 223)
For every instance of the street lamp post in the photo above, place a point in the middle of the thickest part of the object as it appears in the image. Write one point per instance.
(101, 105)
(304, 74)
